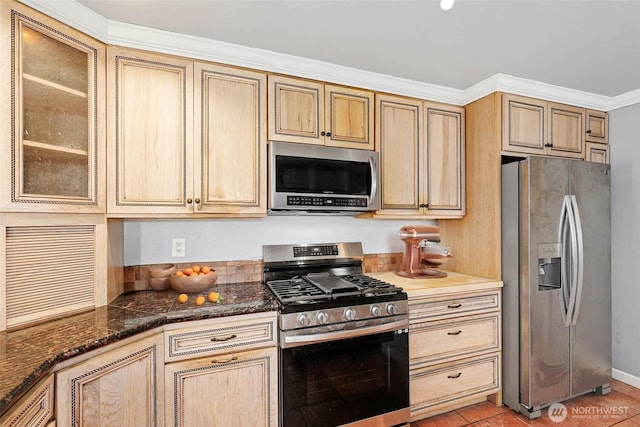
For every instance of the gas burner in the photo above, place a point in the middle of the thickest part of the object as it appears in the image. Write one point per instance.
(330, 280)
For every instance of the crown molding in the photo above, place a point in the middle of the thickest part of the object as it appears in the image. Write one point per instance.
(118, 33)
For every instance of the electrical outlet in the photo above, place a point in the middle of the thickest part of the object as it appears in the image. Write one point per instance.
(178, 247)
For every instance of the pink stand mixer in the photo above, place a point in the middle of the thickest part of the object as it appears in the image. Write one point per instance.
(422, 252)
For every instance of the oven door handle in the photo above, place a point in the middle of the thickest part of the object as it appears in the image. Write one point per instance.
(298, 340)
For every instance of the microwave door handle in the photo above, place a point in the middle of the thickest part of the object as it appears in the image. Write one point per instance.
(374, 180)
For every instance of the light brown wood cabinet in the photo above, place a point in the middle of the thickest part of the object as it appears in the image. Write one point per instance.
(491, 123)
(454, 351)
(597, 124)
(117, 385)
(311, 112)
(52, 115)
(222, 372)
(35, 409)
(597, 152)
(150, 113)
(597, 145)
(534, 126)
(169, 158)
(67, 257)
(422, 158)
(230, 148)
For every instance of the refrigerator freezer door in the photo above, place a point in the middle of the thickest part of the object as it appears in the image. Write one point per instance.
(591, 335)
(544, 340)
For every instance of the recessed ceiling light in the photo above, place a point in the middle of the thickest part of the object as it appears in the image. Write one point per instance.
(446, 4)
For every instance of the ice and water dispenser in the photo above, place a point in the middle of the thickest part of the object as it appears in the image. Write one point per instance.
(549, 262)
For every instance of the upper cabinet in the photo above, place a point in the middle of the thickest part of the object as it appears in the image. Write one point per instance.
(533, 126)
(230, 141)
(171, 156)
(597, 137)
(597, 124)
(314, 113)
(421, 147)
(150, 131)
(566, 130)
(54, 115)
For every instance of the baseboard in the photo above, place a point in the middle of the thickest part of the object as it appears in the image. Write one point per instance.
(625, 378)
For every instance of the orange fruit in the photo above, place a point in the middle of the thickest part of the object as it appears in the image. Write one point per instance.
(179, 273)
(200, 300)
(188, 271)
(196, 268)
(206, 269)
(182, 298)
(213, 296)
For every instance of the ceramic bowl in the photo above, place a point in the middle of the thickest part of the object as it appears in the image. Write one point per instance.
(193, 284)
(161, 270)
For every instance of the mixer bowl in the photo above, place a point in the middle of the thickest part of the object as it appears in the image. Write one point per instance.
(434, 254)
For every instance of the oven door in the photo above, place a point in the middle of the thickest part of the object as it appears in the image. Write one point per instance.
(340, 382)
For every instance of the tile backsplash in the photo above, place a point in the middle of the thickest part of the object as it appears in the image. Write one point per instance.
(135, 277)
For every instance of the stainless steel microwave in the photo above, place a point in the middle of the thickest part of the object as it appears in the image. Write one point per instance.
(306, 178)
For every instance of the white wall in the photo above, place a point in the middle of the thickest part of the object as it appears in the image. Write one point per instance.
(149, 241)
(625, 242)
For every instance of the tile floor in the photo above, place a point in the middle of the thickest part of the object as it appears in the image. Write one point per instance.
(621, 408)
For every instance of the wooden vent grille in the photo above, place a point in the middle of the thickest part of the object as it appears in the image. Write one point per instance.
(50, 271)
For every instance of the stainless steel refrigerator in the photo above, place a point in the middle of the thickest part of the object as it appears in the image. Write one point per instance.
(556, 268)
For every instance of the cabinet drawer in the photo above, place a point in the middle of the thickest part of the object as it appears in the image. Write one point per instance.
(35, 409)
(221, 336)
(449, 306)
(433, 342)
(445, 383)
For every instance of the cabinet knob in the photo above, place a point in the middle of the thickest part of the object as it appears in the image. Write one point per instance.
(323, 133)
(589, 132)
(424, 205)
(328, 133)
(548, 145)
(197, 201)
(189, 201)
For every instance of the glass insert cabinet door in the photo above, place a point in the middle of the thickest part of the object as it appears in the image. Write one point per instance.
(57, 116)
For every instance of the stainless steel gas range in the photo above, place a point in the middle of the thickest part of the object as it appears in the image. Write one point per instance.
(344, 351)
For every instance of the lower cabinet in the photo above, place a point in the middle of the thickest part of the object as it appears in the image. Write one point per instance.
(454, 351)
(118, 386)
(237, 389)
(35, 409)
(222, 372)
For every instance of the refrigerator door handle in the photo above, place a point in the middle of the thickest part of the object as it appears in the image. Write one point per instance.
(568, 266)
(580, 267)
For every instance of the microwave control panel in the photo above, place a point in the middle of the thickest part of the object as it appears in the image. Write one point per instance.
(327, 201)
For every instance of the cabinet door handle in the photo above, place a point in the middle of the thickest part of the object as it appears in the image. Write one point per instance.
(197, 201)
(457, 305)
(458, 332)
(328, 133)
(424, 205)
(230, 337)
(454, 376)
(589, 132)
(323, 133)
(231, 359)
(189, 201)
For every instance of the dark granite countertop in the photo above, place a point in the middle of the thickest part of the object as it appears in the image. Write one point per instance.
(28, 355)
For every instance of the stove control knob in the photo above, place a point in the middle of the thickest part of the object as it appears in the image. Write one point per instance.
(349, 314)
(303, 320)
(322, 317)
(392, 309)
(376, 310)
